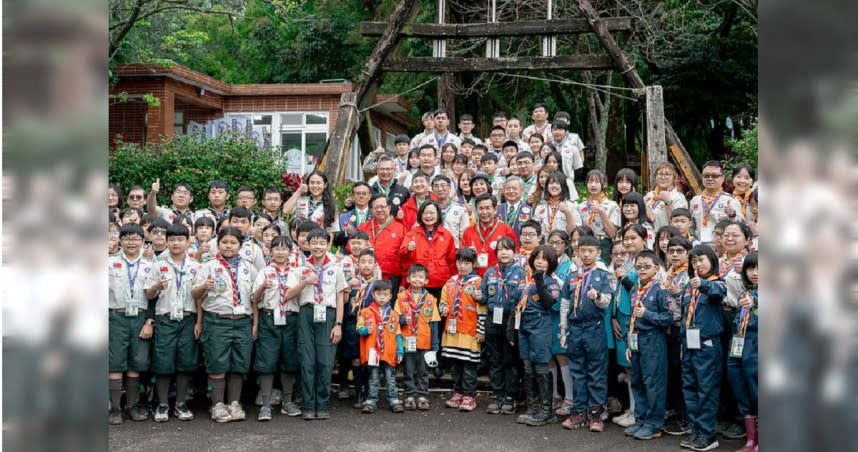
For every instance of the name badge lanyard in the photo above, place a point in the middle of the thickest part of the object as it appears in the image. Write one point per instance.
(502, 291)
(641, 294)
(486, 237)
(233, 275)
(180, 275)
(383, 227)
(318, 294)
(132, 279)
(512, 214)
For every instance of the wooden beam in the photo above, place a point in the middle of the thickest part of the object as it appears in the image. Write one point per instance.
(348, 112)
(686, 167)
(492, 29)
(627, 69)
(459, 64)
(656, 150)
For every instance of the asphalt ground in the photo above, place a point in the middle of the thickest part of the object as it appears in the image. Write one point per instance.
(348, 429)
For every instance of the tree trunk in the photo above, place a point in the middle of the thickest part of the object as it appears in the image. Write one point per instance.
(599, 110)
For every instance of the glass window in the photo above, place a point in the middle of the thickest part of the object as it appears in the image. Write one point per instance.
(315, 143)
(262, 120)
(290, 141)
(291, 119)
(317, 118)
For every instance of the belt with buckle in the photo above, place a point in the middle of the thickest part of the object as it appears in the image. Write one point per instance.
(271, 311)
(228, 316)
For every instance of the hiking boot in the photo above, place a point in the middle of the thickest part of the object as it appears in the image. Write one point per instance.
(687, 441)
(290, 409)
(423, 404)
(647, 432)
(368, 408)
(264, 413)
(455, 401)
(532, 392)
(114, 416)
(137, 413)
(546, 413)
(733, 431)
(182, 412)
(565, 408)
(576, 420)
(676, 427)
(508, 406)
(468, 404)
(236, 413)
(702, 443)
(162, 413)
(494, 407)
(220, 413)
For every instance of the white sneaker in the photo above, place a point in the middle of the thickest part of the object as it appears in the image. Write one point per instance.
(236, 413)
(220, 413)
(161, 413)
(627, 419)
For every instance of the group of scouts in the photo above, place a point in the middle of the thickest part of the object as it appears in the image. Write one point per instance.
(460, 254)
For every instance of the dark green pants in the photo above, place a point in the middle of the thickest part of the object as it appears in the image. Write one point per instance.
(316, 358)
(125, 348)
(276, 344)
(227, 343)
(175, 346)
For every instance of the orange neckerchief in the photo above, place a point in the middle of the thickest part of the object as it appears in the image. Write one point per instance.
(695, 293)
(729, 264)
(552, 211)
(590, 206)
(708, 204)
(641, 291)
(672, 274)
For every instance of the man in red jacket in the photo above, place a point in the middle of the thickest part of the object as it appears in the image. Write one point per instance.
(483, 236)
(385, 235)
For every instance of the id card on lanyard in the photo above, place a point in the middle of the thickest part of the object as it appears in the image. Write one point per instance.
(280, 309)
(131, 308)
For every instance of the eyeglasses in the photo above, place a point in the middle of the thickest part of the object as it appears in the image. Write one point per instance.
(556, 243)
(663, 174)
(621, 254)
(384, 169)
(644, 266)
(135, 197)
(732, 236)
(113, 235)
(361, 193)
(711, 176)
(676, 251)
(182, 192)
(131, 239)
(529, 234)
(380, 207)
(246, 198)
(158, 232)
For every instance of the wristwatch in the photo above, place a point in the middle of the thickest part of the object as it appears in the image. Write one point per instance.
(338, 323)
(150, 322)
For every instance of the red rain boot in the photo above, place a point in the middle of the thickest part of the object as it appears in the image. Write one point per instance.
(751, 431)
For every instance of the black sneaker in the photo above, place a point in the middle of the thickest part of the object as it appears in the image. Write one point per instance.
(701, 443)
(676, 427)
(687, 441)
(508, 406)
(182, 412)
(734, 431)
(114, 416)
(137, 413)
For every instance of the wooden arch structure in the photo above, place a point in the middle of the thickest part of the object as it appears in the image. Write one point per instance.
(660, 135)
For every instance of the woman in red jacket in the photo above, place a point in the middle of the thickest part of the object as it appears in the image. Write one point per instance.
(428, 243)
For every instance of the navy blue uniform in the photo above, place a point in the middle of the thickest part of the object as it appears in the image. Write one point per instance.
(513, 217)
(586, 342)
(742, 372)
(649, 363)
(534, 334)
(501, 288)
(701, 368)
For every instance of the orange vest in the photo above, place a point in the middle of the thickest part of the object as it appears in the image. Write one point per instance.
(406, 306)
(466, 318)
(371, 318)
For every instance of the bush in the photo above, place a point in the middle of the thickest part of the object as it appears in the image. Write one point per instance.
(196, 162)
(744, 149)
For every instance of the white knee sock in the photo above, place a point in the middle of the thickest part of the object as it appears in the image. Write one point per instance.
(567, 382)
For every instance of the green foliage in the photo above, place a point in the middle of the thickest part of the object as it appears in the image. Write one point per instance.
(745, 149)
(341, 192)
(196, 162)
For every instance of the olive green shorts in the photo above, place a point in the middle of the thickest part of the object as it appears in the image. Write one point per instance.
(126, 351)
(276, 345)
(175, 347)
(227, 343)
